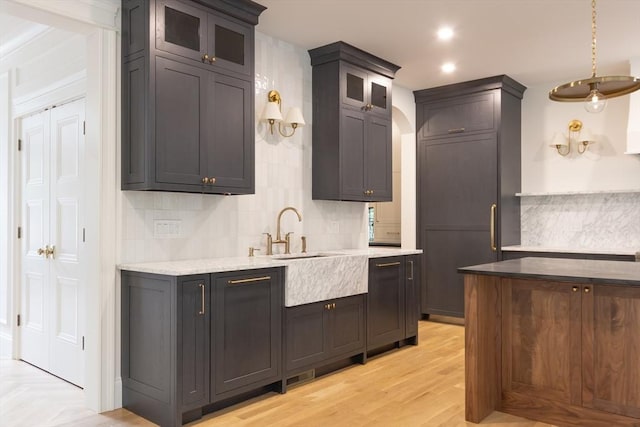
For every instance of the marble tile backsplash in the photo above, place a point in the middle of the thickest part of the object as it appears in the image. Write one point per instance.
(588, 221)
(219, 226)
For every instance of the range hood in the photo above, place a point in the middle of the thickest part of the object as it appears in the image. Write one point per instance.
(633, 128)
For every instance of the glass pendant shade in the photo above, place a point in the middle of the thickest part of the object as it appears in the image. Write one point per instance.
(595, 102)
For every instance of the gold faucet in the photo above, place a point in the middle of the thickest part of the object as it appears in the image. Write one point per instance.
(279, 239)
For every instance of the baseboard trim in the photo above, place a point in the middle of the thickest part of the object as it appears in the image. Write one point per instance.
(6, 346)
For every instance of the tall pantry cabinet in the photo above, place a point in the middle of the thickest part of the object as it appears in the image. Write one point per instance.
(468, 172)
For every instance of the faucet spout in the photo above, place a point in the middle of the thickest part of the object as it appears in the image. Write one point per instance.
(288, 208)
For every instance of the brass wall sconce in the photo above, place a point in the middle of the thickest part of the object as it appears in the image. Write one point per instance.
(272, 114)
(583, 137)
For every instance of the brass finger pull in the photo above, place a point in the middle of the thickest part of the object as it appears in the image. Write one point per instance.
(492, 227)
(457, 130)
(202, 298)
(388, 264)
(587, 290)
(574, 289)
(252, 280)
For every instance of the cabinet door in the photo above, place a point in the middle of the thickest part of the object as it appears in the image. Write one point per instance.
(385, 302)
(459, 115)
(180, 117)
(247, 328)
(541, 339)
(306, 332)
(230, 143)
(181, 29)
(610, 348)
(377, 154)
(352, 150)
(412, 295)
(231, 43)
(193, 341)
(345, 317)
(354, 87)
(379, 95)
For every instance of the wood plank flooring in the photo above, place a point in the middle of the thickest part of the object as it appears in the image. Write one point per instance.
(411, 386)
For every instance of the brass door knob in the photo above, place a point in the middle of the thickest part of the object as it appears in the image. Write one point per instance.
(41, 251)
(49, 251)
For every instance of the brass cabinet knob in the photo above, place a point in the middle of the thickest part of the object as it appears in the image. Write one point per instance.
(574, 289)
(333, 305)
(212, 180)
(205, 58)
(212, 60)
(205, 180)
(587, 290)
(40, 251)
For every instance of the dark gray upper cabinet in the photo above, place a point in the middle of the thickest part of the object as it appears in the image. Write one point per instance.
(187, 95)
(351, 124)
(468, 172)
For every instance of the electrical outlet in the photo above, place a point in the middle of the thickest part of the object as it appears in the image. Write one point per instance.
(167, 228)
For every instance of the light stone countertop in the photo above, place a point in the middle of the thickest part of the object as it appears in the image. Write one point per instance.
(603, 251)
(216, 265)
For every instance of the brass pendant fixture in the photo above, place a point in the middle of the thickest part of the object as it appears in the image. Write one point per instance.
(594, 91)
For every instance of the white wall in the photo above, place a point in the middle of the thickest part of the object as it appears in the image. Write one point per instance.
(6, 314)
(603, 167)
(218, 226)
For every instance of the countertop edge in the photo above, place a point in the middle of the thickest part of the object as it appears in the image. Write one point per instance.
(561, 250)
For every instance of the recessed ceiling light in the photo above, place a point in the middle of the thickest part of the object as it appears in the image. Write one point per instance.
(448, 67)
(445, 33)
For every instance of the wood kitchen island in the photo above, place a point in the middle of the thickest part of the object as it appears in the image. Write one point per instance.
(555, 340)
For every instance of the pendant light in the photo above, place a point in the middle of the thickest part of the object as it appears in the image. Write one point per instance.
(594, 91)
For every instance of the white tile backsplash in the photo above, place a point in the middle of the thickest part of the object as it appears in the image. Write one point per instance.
(221, 226)
(582, 221)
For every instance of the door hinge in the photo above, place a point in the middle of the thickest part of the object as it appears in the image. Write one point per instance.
(19, 145)
(18, 320)
(19, 232)
(83, 343)
(84, 127)
(84, 235)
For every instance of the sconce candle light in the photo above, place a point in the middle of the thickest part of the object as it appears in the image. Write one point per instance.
(583, 137)
(272, 114)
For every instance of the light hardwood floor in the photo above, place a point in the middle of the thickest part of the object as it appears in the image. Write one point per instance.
(411, 386)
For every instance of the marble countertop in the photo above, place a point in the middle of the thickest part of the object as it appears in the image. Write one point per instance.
(216, 265)
(559, 269)
(555, 249)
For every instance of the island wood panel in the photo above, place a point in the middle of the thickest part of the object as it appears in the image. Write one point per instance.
(611, 349)
(482, 346)
(541, 339)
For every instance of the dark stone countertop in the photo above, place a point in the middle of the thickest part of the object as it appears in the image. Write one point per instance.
(562, 269)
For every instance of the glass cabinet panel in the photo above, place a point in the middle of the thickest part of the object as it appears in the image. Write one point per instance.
(378, 95)
(355, 87)
(229, 45)
(181, 29)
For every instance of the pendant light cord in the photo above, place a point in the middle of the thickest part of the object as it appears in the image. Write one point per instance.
(593, 38)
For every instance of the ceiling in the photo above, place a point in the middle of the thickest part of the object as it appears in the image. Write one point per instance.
(15, 32)
(533, 41)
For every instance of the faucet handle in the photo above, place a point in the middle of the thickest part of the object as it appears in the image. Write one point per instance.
(269, 243)
(252, 251)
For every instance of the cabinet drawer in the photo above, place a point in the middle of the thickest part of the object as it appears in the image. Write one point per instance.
(459, 115)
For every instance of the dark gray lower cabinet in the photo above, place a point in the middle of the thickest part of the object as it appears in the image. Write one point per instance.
(323, 332)
(191, 341)
(392, 307)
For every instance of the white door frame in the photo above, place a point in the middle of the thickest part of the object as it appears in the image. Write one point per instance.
(100, 20)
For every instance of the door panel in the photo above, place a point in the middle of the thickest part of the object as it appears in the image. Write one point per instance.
(378, 159)
(352, 155)
(230, 43)
(181, 29)
(346, 326)
(353, 87)
(385, 302)
(53, 191)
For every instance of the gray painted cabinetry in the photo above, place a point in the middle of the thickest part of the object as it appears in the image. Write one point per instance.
(193, 341)
(468, 172)
(187, 95)
(351, 124)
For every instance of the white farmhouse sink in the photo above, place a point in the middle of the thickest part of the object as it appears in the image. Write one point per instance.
(316, 276)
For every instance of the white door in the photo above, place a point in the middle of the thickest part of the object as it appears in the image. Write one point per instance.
(52, 312)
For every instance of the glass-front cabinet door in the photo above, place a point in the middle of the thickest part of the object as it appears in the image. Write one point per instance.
(229, 43)
(379, 95)
(353, 86)
(181, 29)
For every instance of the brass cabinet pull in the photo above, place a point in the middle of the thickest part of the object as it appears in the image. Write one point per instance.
(205, 58)
(212, 180)
(574, 289)
(202, 298)
(457, 130)
(253, 279)
(212, 59)
(411, 264)
(587, 290)
(492, 227)
(388, 264)
(205, 180)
